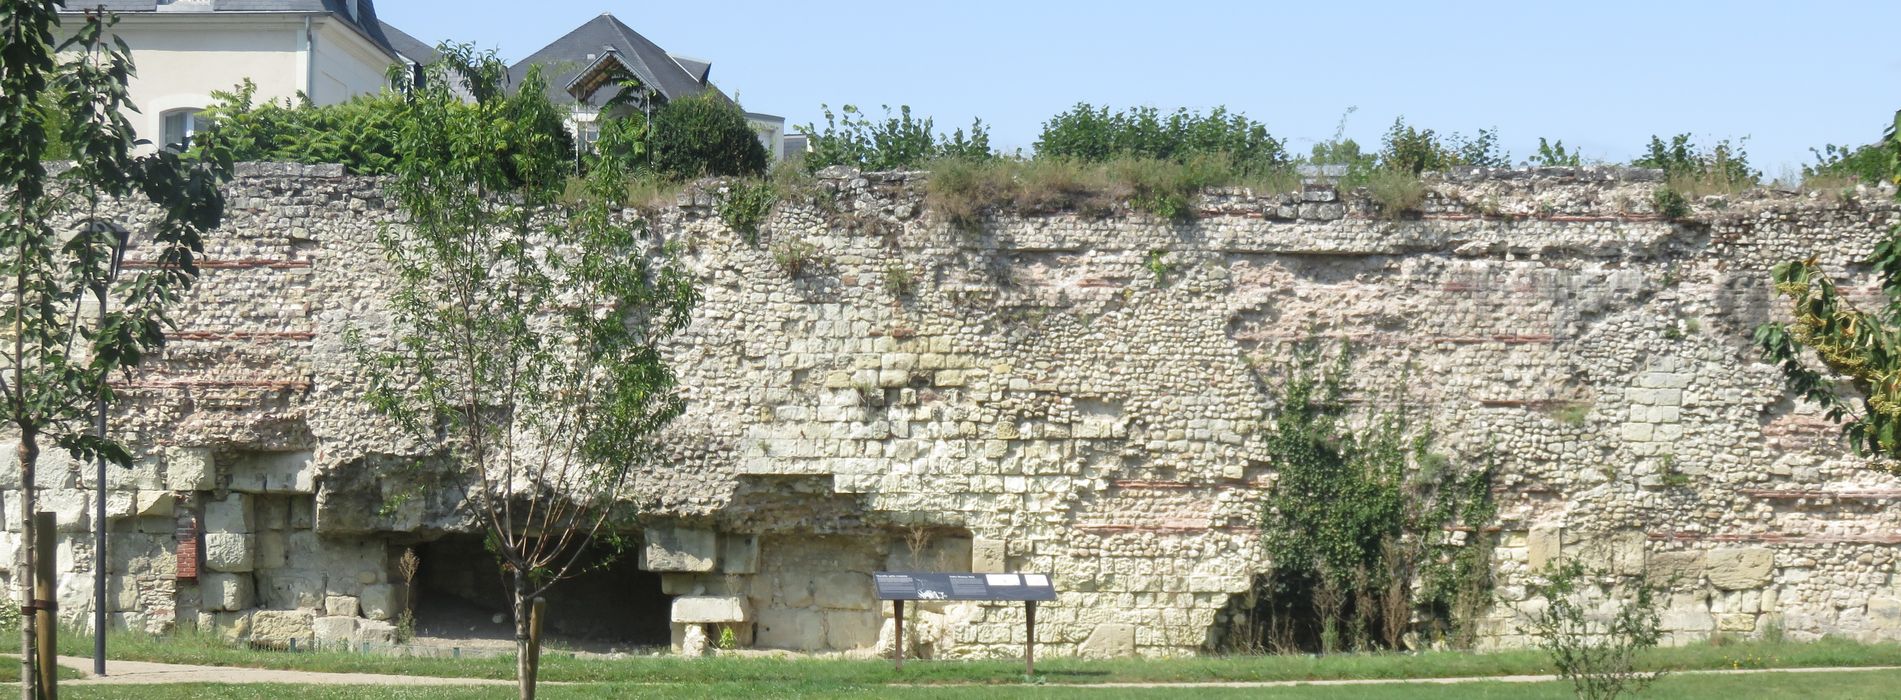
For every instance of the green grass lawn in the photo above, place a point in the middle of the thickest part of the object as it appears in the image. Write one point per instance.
(205, 650)
(1857, 684)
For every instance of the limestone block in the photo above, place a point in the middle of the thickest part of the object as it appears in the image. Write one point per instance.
(10, 465)
(271, 513)
(334, 631)
(795, 591)
(987, 556)
(851, 629)
(286, 588)
(190, 469)
(270, 549)
(375, 633)
(780, 628)
(229, 514)
(225, 591)
(1885, 613)
(739, 554)
(678, 549)
(1108, 641)
(274, 472)
(1543, 546)
(1741, 568)
(232, 627)
(845, 590)
(340, 605)
(709, 608)
(280, 625)
(230, 552)
(153, 504)
(1681, 568)
(302, 515)
(379, 601)
(122, 594)
(1736, 622)
(693, 640)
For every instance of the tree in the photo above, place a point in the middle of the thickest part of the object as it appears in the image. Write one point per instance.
(705, 135)
(59, 249)
(524, 333)
(1862, 347)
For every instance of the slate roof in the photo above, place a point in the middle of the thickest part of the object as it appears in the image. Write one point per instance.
(410, 47)
(365, 22)
(567, 57)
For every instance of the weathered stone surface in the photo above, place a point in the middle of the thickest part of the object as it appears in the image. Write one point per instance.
(334, 631)
(270, 550)
(379, 601)
(340, 605)
(706, 609)
(780, 628)
(375, 633)
(1737, 569)
(226, 592)
(851, 629)
(693, 640)
(1544, 546)
(846, 590)
(739, 554)
(674, 549)
(1109, 640)
(1683, 568)
(281, 625)
(230, 552)
(274, 472)
(189, 469)
(231, 514)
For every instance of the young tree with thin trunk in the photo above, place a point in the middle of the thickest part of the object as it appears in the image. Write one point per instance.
(59, 249)
(524, 326)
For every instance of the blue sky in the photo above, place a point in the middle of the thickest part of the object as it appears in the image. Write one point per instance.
(1599, 74)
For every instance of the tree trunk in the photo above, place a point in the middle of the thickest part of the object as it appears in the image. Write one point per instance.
(29, 458)
(524, 665)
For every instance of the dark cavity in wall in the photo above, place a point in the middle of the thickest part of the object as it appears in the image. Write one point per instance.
(611, 604)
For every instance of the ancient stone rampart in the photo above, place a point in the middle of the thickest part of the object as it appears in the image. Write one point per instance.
(1043, 393)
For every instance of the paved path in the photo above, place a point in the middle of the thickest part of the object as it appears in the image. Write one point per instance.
(143, 672)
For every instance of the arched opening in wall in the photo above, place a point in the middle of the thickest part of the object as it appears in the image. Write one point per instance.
(612, 604)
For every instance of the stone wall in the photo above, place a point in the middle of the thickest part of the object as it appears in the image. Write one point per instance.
(1048, 394)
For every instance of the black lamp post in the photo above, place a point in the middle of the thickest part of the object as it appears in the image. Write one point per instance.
(99, 520)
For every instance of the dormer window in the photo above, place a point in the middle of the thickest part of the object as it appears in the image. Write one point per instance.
(177, 127)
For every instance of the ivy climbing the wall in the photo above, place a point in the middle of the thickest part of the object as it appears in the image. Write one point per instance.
(1377, 541)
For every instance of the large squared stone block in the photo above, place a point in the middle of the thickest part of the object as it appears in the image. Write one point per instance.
(229, 514)
(739, 554)
(274, 472)
(228, 592)
(379, 601)
(988, 556)
(280, 625)
(779, 628)
(190, 469)
(1108, 641)
(1543, 546)
(230, 552)
(270, 550)
(851, 629)
(844, 590)
(709, 608)
(334, 631)
(674, 549)
(1740, 569)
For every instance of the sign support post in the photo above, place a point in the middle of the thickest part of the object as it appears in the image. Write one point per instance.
(1029, 639)
(898, 587)
(897, 625)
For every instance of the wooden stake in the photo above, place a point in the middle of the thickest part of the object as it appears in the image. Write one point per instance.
(897, 625)
(47, 648)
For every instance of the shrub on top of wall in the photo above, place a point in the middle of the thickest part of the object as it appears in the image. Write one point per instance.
(705, 135)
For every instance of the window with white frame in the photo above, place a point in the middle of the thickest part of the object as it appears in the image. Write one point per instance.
(177, 126)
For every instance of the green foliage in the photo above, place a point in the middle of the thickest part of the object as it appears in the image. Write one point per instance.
(1396, 191)
(520, 323)
(1693, 170)
(1669, 204)
(1357, 519)
(61, 252)
(1554, 154)
(898, 279)
(1159, 266)
(1599, 656)
(1573, 414)
(897, 142)
(360, 134)
(727, 640)
(1411, 150)
(624, 141)
(745, 205)
(1094, 134)
(705, 135)
(795, 257)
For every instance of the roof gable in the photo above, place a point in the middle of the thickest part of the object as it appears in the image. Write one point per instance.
(567, 59)
(364, 21)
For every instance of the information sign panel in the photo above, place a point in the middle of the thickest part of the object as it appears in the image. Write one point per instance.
(893, 585)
